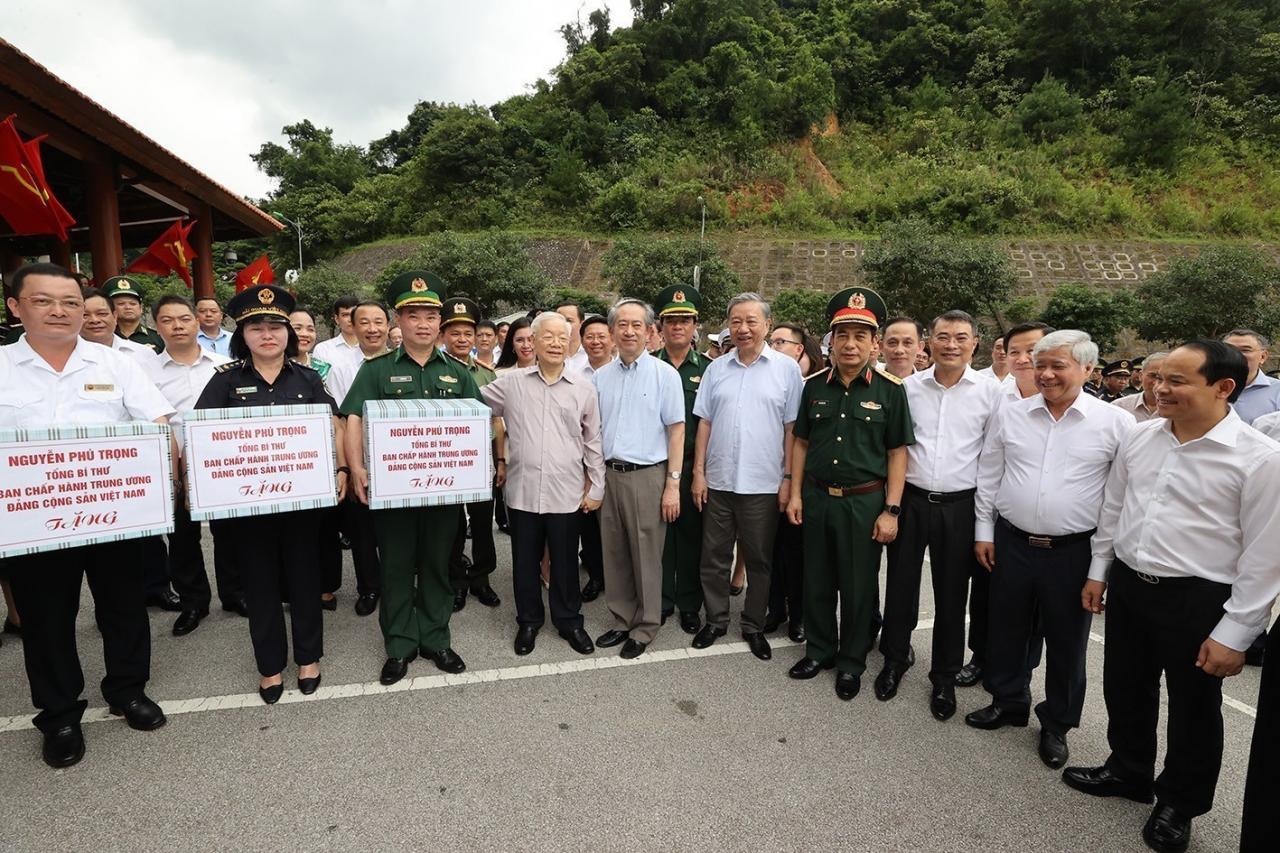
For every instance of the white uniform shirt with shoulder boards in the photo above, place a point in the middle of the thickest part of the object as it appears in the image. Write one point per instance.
(950, 425)
(1206, 508)
(343, 372)
(181, 384)
(97, 386)
(144, 355)
(1046, 476)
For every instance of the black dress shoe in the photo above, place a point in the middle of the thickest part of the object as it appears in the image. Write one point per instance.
(612, 637)
(632, 649)
(886, 686)
(366, 604)
(667, 614)
(446, 660)
(525, 637)
(969, 674)
(690, 621)
(1167, 830)
(847, 686)
(188, 621)
(771, 623)
(578, 640)
(10, 628)
(1101, 782)
(329, 603)
(807, 667)
(459, 599)
(992, 717)
(395, 668)
(237, 606)
(942, 702)
(1053, 749)
(271, 695)
(141, 714)
(307, 686)
(708, 635)
(167, 600)
(591, 590)
(484, 594)
(758, 644)
(64, 747)
(795, 632)
(344, 542)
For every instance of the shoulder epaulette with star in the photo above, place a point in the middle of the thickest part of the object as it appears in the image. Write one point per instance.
(380, 355)
(230, 365)
(297, 363)
(887, 375)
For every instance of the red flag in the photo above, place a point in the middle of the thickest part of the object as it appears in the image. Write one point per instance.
(26, 201)
(258, 272)
(169, 253)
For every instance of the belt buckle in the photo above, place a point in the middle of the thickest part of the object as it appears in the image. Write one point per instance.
(934, 497)
(1146, 578)
(835, 491)
(1040, 541)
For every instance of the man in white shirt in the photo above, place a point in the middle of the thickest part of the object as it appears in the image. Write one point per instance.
(1143, 405)
(212, 336)
(344, 345)
(52, 377)
(181, 372)
(577, 358)
(1186, 555)
(951, 406)
(902, 342)
(999, 368)
(1040, 480)
(747, 402)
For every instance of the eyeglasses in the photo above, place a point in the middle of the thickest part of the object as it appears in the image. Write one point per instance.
(44, 303)
(777, 342)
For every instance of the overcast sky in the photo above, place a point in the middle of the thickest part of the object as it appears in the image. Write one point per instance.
(213, 81)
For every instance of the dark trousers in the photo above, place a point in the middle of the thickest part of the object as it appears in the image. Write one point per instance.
(357, 523)
(329, 549)
(786, 586)
(1050, 579)
(557, 533)
(186, 560)
(1155, 628)
(46, 590)
(751, 521)
(592, 552)
(500, 509)
(226, 572)
(484, 556)
(979, 606)
(1261, 824)
(278, 551)
(682, 553)
(155, 566)
(946, 529)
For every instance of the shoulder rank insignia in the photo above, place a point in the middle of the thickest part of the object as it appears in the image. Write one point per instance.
(887, 375)
(230, 365)
(380, 355)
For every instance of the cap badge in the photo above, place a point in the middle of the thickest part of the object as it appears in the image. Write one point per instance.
(265, 296)
(678, 296)
(459, 308)
(857, 301)
(418, 285)
(123, 284)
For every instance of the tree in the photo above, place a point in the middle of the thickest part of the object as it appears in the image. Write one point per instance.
(1101, 312)
(1049, 111)
(807, 308)
(320, 285)
(639, 267)
(397, 147)
(1156, 128)
(312, 159)
(921, 273)
(1220, 289)
(590, 303)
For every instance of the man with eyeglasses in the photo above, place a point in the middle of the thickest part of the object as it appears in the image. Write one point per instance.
(53, 377)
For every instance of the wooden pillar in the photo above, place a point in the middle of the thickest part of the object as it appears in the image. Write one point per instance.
(10, 261)
(202, 242)
(104, 220)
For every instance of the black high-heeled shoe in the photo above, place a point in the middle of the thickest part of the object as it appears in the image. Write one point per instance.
(271, 695)
(307, 686)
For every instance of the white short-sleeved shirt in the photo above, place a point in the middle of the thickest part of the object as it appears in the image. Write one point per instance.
(144, 355)
(97, 386)
(748, 407)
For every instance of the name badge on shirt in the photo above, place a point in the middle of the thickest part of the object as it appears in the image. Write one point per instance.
(448, 379)
(247, 389)
(399, 378)
(870, 404)
(92, 388)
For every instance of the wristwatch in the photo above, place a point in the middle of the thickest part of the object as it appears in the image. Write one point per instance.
(893, 509)
(674, 475)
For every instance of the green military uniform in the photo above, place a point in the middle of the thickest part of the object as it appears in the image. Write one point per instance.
(122, 286)
(682, 552)
(414, 543)
(849, 430)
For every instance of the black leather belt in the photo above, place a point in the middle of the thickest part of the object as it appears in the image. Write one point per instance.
(939, 497)
(627, 467)
(837, 491)
(1046, 541)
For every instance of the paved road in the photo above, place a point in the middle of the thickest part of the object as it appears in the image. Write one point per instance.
(677, 750)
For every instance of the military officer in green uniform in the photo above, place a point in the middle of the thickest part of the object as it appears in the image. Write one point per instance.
(414, 542)
(678, 307)
(126, 302)
(850, 458)
(458, 329)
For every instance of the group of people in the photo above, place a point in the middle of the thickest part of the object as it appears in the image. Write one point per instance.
(771, 464)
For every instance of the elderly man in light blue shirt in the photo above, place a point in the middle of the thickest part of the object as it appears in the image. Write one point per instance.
(642, 432)
(747, 401)
(1261, 394)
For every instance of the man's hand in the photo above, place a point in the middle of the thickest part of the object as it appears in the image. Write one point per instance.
(589, 505)
(671, 501)
(360, 481)
(795, 510)
(343, 479)
(986, 554)
(500, 477)
(699, 489)
(1091, 596)
(1218, 660)
(784, 495)
(886, 528)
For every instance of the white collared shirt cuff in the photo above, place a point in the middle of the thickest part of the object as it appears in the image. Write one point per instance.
(1233, 635)
(984, 531)
(1099, 568)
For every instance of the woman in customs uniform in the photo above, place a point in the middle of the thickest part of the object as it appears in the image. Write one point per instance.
(279, 549)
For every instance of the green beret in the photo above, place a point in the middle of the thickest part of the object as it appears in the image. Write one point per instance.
(857, 305)
(261, 302)
(416, 287)
(120, 285)
(459, 309)
(678, 300)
